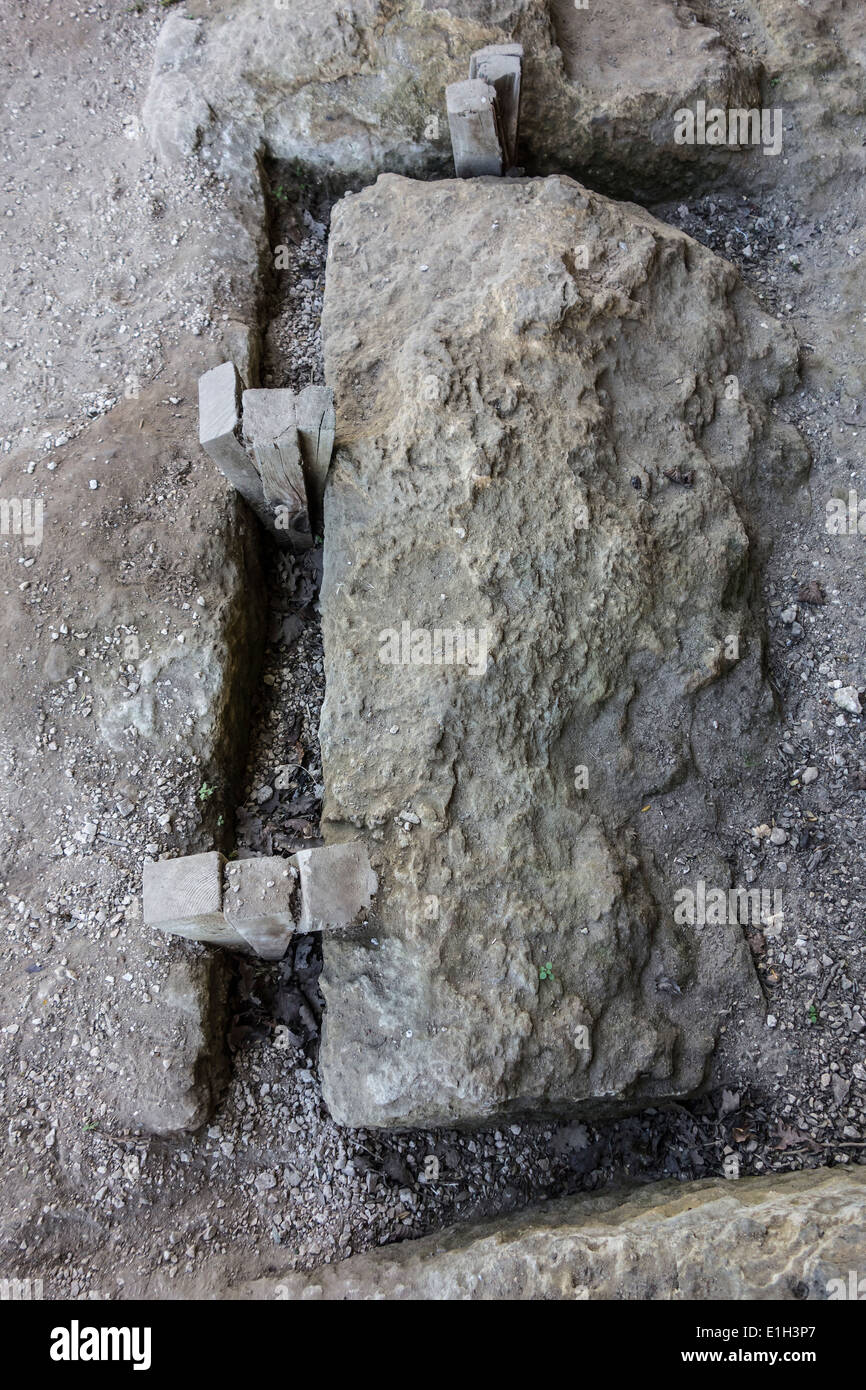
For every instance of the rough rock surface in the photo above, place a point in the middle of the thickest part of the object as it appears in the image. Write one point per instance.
(546, 457)
(777, 1238)
(181, 1066)
(355, 90)
(132, 641)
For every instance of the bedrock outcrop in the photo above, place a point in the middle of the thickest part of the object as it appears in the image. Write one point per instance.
(792, 1236)
(354, 90)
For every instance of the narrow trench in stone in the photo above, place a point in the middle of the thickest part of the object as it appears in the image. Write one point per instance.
(281, 812)
(283, 791)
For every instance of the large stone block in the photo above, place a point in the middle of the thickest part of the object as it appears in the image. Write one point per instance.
(600, 87)
(543, 665)
(792, 1236)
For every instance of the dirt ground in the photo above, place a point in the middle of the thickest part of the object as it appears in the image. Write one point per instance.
(110, 313)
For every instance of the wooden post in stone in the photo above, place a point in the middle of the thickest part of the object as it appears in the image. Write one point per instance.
(476, 136)
(314, 411)
(270, 432)
(219, 417)
(257, 904)
(500, 65)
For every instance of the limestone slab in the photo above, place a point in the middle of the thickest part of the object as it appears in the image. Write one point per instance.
(792, 1236)
(538, 462)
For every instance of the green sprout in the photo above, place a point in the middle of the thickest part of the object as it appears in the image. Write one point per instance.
(205, 792)
(812, 1014)
(545, 971)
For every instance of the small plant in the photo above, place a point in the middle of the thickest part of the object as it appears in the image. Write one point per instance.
(545, 971)
(205, 792)
(812, 1014)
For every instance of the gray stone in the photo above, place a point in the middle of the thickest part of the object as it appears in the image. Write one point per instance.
(175, 113)
(314, 411)
(178, 1067)
(337, 885)
(257, 903)
(793, 1236)
(600, 87)
(500, 65)
(549, 466)
(476, 137)
(847, 698)
(271, 434)
(219, 397)
(184, 896)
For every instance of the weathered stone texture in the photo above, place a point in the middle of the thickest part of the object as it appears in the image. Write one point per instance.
(353, 92)
(544, 457)
(791, 1236)
(180, 1060)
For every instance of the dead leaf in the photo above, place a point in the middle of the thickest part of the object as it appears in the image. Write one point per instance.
(811, 592)
(795, 1139)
